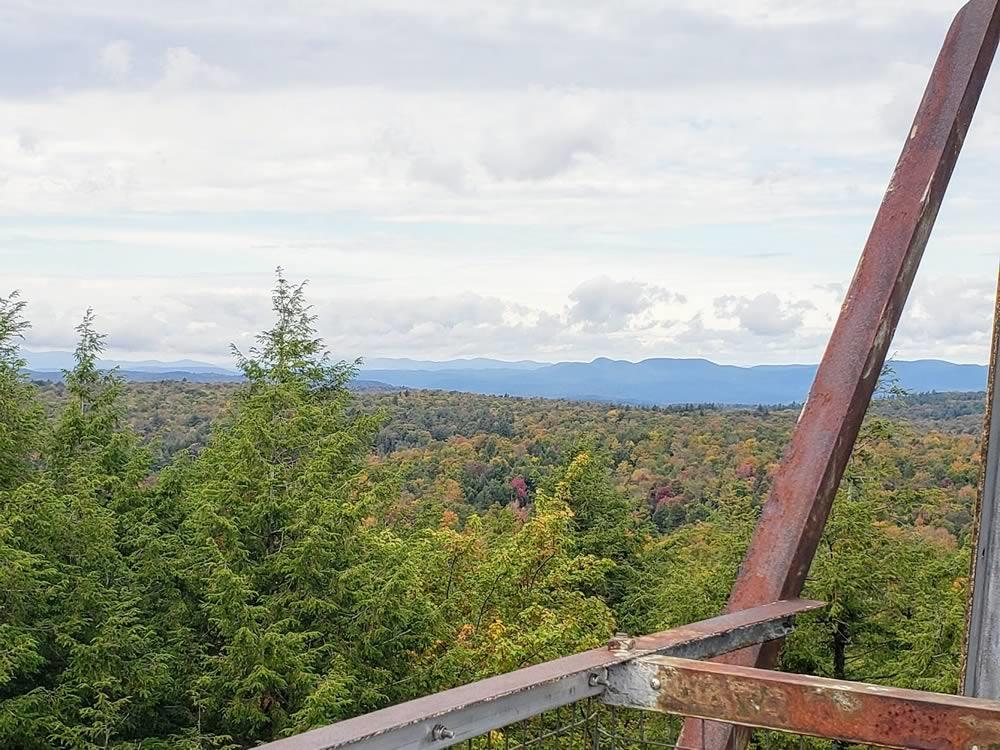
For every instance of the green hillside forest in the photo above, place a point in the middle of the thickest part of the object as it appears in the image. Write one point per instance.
(213, 566)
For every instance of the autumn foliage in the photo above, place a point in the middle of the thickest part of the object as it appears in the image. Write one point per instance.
(192, 566)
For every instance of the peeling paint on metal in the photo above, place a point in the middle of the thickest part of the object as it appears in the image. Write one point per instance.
(845, 711)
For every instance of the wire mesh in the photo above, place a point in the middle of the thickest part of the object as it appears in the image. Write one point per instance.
(591, 725)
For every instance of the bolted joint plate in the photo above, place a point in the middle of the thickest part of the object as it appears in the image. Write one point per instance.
(634, 684)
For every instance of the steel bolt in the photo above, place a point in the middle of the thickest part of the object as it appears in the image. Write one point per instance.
(441, 732)
(621, 642)
(595, 679)
(655, 683)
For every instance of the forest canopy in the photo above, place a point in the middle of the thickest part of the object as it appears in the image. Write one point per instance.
(195, 566)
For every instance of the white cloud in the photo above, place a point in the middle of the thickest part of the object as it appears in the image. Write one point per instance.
(950, 313)
(199, 316)
(437, 170)
(765, 314)
(540, 157)
(604, 304)
(116, 58)
(525, 178)
(179, 149)
(27, 141)
(183, 68)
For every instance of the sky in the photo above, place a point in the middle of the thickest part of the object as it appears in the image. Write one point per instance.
(542, 179)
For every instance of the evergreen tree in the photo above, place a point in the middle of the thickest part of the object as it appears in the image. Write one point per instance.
(21, 416)
(25, 576)
(98, 670)
(689, 572)
(308, 607)
(608, 524)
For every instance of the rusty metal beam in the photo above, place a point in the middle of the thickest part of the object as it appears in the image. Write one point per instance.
(847, 711)
(793, 518)
(981, 655)
(453, 716)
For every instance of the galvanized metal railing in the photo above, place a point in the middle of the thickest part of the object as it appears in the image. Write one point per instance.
(661, 674)
(454, 716)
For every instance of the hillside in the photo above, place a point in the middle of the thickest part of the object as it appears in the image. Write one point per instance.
(649, 382)
(206, 565)
(533, 437)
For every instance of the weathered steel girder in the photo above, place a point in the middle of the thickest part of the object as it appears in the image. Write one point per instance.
(838, 710)
(793, 518)
(981, 656)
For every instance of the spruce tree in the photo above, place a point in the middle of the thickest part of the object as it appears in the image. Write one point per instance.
(21, 416)
(608, 523)
(25, 575)
(101, 669)
(309, 608)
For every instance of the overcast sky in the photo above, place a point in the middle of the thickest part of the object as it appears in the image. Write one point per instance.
(546, 179)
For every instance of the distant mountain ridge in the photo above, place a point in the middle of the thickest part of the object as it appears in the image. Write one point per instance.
(475, 363)
(55, 361)
(146, 376)
(661, 381)
(670, 381)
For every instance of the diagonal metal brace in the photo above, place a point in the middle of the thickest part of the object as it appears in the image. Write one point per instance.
(793, 518)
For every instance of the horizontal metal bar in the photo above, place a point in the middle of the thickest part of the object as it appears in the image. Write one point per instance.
(847, 711)
(453, 716)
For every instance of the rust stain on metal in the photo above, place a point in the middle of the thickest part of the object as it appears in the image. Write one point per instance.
(819, 707)
(793, 518)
